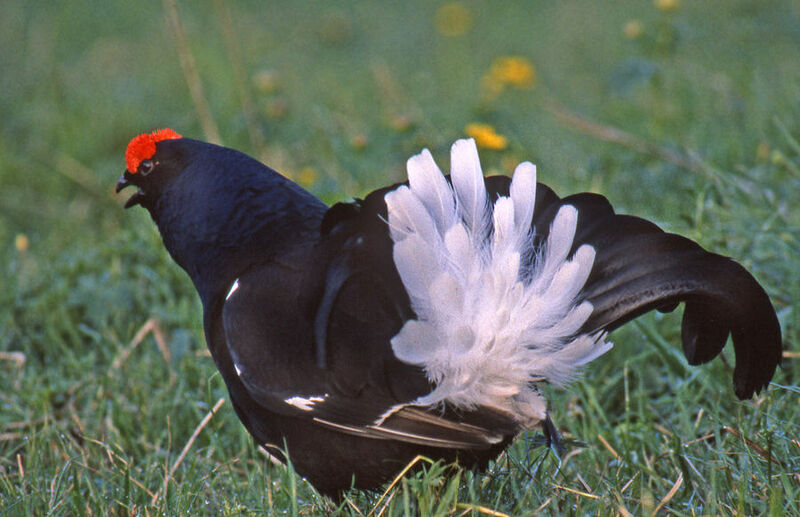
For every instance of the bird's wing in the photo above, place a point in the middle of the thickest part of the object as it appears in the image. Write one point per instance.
(320, 349)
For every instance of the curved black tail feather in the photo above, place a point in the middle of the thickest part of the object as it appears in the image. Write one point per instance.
(639, 267)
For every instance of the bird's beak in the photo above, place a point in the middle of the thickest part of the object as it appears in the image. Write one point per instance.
(122, 182)
(135, 199)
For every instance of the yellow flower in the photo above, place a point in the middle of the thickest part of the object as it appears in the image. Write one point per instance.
(514, 71)
(453, 19)
(486, 137)
(401, 122)
(506, 71)
(667, 6)
(21, 242)
(307, 176)
(633, 29)
(359, 141)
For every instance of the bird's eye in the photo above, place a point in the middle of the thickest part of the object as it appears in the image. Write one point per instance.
(146, 167)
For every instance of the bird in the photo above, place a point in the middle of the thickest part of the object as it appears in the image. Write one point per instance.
(425, 318)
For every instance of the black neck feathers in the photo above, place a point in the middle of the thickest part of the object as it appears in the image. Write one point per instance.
(225, 211)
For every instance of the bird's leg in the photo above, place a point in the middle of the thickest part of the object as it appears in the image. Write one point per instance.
(552, 439)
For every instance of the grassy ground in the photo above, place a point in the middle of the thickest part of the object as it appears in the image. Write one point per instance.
(684, 113)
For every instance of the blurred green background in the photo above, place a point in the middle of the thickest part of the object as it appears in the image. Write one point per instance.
(683, 112)
(79, 79)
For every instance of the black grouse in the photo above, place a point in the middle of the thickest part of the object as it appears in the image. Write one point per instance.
(422, 319)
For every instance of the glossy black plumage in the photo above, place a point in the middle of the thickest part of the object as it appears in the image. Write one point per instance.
(300, 303)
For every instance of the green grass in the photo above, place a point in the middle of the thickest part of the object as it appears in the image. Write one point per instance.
(709, 91)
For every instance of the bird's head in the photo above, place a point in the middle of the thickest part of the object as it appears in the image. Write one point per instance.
(151, 165)
(217, 209)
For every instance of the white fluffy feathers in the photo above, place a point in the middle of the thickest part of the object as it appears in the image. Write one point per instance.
(487, 326)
